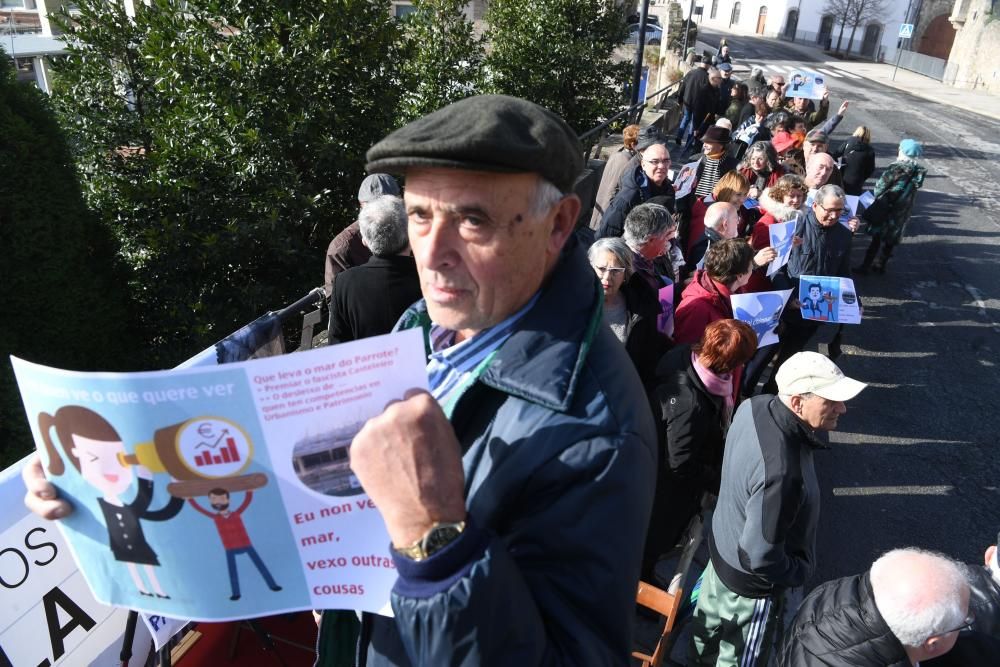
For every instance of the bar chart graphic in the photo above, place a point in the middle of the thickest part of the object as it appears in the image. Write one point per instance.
(214, 447)
(227, 453)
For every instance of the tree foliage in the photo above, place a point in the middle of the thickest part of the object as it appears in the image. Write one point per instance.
(61, 302)
(853, 14)
(558, 53)
(223, 142)
(443, 58)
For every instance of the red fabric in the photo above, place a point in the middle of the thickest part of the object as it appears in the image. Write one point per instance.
(697, 226)
(771, 179)
(760, 239)
(231, 529)
(702, 302)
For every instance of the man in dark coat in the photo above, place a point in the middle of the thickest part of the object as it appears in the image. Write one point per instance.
(369, 299)
(908, 609)
(692, 85)
(825, 251)
(346, 249)
(648, 179)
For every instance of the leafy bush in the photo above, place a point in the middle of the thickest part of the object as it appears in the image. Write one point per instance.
(63, 301)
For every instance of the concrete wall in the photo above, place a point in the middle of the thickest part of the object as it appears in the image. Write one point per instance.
(973, 62)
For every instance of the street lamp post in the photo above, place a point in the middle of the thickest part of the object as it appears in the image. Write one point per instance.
(640, 47)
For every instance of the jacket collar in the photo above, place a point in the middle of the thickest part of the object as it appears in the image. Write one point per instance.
(792, 425)
(542, 359)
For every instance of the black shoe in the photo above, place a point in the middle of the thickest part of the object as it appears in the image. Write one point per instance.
(234, 597)
(149, 595)
(163, 597)
(275, 588)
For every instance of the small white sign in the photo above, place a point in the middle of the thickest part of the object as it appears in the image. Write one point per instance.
(906, 30)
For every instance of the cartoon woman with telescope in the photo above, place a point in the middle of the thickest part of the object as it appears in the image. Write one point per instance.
(96, 450)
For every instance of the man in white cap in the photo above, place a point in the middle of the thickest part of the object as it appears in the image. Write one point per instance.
(763, 536)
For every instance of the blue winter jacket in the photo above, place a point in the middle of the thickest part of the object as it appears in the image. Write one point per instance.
(560, 461)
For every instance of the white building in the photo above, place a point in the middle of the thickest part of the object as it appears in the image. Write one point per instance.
(804, 21)
(27, 35)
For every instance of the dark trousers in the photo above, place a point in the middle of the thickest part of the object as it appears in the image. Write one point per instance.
(794, 338)
(873, 249)
(755, 368)
(234, 577)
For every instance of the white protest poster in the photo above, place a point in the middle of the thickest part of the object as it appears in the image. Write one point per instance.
(781, 235)
(685, 179)
(829, 299)
(224, 492)
(762, 311)
(48, 616)
(852, 203)
(802, 83)
(867, 198)
(162, 628)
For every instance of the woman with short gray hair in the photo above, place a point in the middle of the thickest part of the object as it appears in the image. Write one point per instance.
(631, 306)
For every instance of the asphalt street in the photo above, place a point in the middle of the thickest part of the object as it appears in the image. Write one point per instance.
(914, 460)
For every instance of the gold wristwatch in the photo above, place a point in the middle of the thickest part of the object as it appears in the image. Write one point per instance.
(438, 537)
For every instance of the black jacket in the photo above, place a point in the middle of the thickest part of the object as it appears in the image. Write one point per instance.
(825, 251)
(838, 625)
(691, 436)
(643, 341)
(859, 164)
(635, 189)
(692, 85)
(369, 299)
(980, 647)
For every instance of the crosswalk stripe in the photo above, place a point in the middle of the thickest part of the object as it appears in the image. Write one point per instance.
(829, 73)
(844, 72)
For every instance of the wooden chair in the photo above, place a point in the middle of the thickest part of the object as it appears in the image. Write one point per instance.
(668, 602)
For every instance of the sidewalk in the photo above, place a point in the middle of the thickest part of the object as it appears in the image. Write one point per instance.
(910, 82)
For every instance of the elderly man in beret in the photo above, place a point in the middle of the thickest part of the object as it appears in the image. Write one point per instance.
(517, 492)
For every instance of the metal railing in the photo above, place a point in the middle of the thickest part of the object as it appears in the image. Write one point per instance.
(923, 64)
(600, 131)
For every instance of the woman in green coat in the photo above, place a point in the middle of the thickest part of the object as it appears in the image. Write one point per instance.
(898, 186)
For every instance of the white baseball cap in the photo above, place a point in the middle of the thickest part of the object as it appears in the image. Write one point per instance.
(813, 373)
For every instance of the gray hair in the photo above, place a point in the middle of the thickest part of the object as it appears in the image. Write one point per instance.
(546, 196)
(616, 247)
(645, 222)
(829, 190)
(917, 610)
(383, 225)
(714, 71)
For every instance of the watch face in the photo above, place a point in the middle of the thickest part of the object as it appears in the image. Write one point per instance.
(440, 537)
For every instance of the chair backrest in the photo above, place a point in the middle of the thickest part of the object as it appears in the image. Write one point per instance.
(667, 603)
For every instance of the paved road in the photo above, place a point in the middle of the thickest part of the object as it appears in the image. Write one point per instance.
(915, 461)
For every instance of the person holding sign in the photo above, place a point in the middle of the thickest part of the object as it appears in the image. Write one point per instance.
(825, 250)
(535, 419)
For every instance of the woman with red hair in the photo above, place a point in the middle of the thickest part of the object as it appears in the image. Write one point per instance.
(693, 403)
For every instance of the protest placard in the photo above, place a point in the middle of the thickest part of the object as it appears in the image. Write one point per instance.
(224, 492)
(685, 179)
(762, 311)
(829, 299)
(665, 320)
(781, 235)
(48, 616)
(801, 83)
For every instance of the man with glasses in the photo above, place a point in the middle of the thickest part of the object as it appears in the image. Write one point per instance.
(907, 610)
(825, 250)
(648, 179)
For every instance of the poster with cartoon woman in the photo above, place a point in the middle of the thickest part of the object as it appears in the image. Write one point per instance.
(91, 445)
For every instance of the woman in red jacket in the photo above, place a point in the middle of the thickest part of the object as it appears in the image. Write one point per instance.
(780, 203)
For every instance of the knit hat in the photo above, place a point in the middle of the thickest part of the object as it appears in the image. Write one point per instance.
(817, 136)
(485, 133)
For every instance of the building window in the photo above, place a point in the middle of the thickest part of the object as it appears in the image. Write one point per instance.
(735, 18)
(401, 9)
(25, 70)
(714, 10)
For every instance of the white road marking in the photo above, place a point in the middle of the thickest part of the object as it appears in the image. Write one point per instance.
(941, 490)
(844, 72)
(829, 73)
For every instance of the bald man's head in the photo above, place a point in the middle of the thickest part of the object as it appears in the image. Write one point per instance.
(723, 218)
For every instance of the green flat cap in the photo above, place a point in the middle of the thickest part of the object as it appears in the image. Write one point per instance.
(485, 133)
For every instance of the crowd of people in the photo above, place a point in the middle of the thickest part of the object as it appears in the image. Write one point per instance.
(589, 385)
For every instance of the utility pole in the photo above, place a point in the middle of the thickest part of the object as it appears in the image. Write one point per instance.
(640, 48)
(899, 41)
(684, 49)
